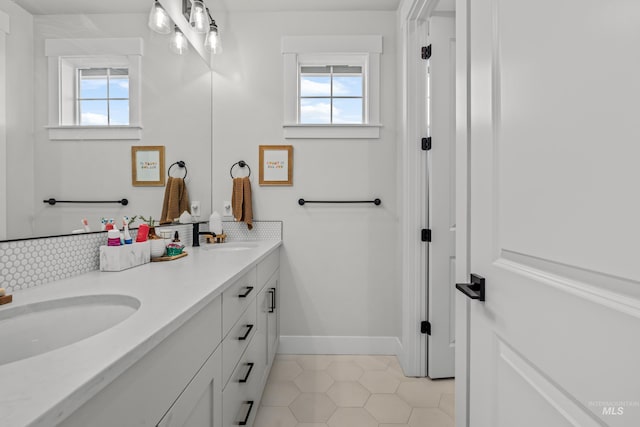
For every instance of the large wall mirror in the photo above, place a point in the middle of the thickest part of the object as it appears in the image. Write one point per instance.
(175, 112)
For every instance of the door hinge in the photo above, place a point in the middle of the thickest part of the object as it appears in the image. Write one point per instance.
(426, 52)
(426, 235)
(426, 144)
(425, 327)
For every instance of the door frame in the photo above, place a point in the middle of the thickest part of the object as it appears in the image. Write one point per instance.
(4, 30)
(413, 16)
(463, 211)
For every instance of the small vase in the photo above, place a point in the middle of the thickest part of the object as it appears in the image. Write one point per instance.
(152, 234)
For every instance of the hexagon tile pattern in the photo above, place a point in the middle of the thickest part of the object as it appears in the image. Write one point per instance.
(33, 262)
(352, 391)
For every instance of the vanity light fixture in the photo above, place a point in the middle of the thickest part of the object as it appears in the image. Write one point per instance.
(212, 41)
(159, 20)
(198, 18)
(178, 44)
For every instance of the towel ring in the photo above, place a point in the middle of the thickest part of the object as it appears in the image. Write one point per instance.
(242, 164)
(180, 164)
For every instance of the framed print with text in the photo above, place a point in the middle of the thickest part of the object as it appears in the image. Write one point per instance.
(276, 165)
(147, 166)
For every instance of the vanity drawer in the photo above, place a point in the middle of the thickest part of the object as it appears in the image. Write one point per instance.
(267, 267)
(243, 388)
(237, 298)
(238, 340)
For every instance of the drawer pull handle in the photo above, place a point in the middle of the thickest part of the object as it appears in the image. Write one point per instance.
(246, 418)
(246, 294)
(246, 377)
(246, 335)
(272, 308)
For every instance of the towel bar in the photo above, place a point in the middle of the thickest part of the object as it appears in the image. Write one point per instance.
(52, 201)
(376, 202)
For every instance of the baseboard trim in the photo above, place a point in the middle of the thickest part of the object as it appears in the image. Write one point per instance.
(290, 344)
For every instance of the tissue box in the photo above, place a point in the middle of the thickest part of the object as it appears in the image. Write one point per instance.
(118, 258)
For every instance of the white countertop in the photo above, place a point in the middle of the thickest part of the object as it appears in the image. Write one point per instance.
(44, 389)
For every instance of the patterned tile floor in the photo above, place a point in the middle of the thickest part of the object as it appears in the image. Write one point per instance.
(352, 391)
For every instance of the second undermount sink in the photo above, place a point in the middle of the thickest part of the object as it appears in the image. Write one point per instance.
(33, 329)
(231, 246)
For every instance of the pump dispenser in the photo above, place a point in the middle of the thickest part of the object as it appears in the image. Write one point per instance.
(215, 223)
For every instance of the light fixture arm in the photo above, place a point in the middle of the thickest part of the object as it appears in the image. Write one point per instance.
(212, 22)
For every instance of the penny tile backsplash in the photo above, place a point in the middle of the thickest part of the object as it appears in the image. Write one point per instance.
(28, 263)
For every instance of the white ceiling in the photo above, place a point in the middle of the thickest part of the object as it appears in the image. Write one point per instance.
(45, 7)
(304, 5)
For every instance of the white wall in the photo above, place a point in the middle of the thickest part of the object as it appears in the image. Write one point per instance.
(176, 113)
(340, 264)
(19, 118)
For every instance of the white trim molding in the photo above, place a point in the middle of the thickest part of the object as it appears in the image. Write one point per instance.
(62, 133)
(65, 56)
(295, 130)
(290, 344)
(4, 30)
(367, 48)
(413, 18)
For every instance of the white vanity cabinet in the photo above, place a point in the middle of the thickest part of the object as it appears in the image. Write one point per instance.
(199, 405)
(210, 372)
(268, 310)
(250, 345)
(166, 385)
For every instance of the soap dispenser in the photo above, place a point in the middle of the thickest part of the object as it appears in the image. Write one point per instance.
(215, 223)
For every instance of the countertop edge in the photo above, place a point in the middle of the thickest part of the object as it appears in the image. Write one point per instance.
(89, 389)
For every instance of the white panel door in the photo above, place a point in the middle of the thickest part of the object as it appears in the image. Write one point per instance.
(555, 143)
(441, 167)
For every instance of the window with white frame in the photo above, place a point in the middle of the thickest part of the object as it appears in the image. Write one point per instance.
(102, 96)
(332, 86)
(94, 90)
(331, 94)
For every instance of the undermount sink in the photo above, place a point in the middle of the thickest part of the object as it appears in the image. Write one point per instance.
(231, 247)
(33, 329)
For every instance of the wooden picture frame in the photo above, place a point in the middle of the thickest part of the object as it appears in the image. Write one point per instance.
(147, 166)
(276, 164)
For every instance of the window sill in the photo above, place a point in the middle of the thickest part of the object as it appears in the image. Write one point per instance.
(57, 133)
(302, 131)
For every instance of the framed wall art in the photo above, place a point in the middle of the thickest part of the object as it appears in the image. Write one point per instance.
(147, 166)
(276, 165)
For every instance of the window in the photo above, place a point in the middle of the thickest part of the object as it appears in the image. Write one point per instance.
(332, 86)
(96, 94)
(331, 94)
(102, 97)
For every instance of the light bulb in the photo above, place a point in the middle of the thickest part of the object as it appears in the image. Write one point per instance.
(212, 41)
(159, 21)
(178, 44)
(198, 18)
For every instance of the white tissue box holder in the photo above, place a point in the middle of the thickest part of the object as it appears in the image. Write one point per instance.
(118, 258)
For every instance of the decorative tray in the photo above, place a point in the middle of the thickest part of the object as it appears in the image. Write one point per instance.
(169, 258)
